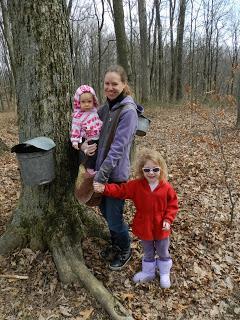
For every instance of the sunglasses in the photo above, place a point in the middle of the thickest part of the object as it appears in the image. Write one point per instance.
(154, 170)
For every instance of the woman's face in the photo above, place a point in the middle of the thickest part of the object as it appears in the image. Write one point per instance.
(113, 85)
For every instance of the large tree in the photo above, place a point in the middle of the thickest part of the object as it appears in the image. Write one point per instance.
(48, 216)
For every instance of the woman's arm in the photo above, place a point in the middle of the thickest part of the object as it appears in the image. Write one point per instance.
(123, 137)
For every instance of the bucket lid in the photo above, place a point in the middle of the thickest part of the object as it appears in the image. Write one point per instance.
(43, 143)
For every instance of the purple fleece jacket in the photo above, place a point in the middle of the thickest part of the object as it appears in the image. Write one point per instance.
(116, 166)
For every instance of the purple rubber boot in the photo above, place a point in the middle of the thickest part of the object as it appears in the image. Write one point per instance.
(164, 271)
(147, 273)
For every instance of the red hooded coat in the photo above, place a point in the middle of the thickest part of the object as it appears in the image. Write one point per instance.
(152, 207)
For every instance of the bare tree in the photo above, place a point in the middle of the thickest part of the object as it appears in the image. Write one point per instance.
(121, 39)
(179, 49)
(238, 97)
(6, 30)
(160, 50)
(100, 22)
(144, 49)
(172, 6)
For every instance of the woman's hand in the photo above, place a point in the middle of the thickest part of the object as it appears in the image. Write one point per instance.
(166, 225)
(88, 149)
(98, 187)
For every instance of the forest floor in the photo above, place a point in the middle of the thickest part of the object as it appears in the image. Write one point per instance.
(202, 152)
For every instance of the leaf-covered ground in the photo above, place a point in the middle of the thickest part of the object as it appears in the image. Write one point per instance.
(202, 152)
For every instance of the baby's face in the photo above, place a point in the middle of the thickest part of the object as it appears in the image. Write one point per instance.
(86, 101)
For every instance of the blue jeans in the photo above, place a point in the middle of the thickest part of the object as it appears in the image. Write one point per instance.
(112, 211)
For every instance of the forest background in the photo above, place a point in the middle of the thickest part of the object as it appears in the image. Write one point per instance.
(182, 59)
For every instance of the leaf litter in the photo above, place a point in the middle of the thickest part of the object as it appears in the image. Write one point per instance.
(204, 245)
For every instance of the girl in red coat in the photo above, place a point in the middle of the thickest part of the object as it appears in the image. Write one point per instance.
(156, 207)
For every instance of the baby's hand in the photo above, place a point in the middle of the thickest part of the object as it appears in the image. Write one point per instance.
(75, 146)
(98, 187)
(88, 149)
(166, 225)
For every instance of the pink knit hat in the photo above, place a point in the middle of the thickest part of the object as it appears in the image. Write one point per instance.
(85, 89)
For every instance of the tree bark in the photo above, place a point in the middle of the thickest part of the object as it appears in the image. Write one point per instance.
(238, 97)
(8, 38)
(144, 50)
(160, 50)
(179, 50)
(121, 39)
(48, 216)
(172, 5)
(100, 22)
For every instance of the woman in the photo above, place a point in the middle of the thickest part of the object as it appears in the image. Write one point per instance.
(115, 166)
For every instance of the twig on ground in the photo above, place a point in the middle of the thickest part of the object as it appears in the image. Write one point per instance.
(13, 276)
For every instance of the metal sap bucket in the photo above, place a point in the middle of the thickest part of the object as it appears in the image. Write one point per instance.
(143, 125)
(36, 161)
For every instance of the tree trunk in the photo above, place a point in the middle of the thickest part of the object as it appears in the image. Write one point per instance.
(144, 50)
(179, 50)
(48, 216)
(8, 38)
(160, 50)
(121, 39)
(238, 97)
(100, 22)
(172, 5)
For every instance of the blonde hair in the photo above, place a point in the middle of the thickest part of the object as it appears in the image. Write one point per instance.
(123, 76)
(146, 154)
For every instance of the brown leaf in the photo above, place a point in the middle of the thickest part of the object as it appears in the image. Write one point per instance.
(65, 311)
(85, 314)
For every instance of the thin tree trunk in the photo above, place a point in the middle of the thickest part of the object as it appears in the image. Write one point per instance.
(160, 50)
(99, 37)
(179, 50)
(144, 50)
(8, 37)
(238, 98)
(172, 71)
(121, 39)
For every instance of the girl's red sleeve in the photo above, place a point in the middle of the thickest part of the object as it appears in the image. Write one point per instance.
(121, 191)
(172, 205)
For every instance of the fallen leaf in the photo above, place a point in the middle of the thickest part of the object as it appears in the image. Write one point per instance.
(128, 296)
(86, 314)
(65, 311)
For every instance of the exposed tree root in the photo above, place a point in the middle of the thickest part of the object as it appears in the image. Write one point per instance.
(3, 146)
(95, 224)
(69, 262)
(12, 239)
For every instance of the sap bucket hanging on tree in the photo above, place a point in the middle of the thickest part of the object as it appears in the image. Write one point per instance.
(143, 122)
(143, 125)
(36, 161)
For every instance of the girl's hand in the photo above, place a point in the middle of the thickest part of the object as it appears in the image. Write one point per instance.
(88, 149)
(98, 187)
(166, 225)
